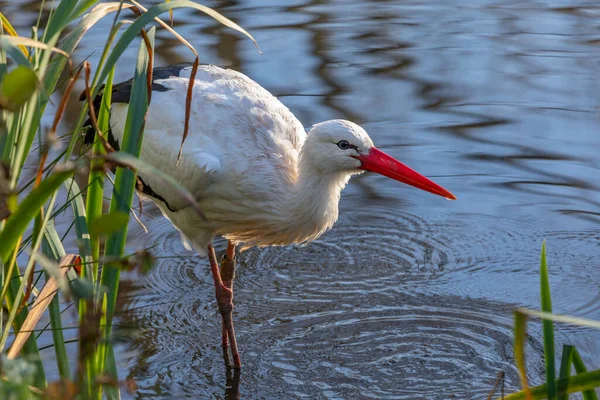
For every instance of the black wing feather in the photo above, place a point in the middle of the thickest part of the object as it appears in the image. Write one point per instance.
(121, 93)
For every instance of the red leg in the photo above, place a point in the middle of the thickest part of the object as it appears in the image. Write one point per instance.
(227, 264)
(228, 275)
(224, 294)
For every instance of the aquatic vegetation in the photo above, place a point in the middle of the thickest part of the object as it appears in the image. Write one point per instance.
(30, 75)
(560, 387)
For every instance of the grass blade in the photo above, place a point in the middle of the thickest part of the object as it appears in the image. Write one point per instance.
(566, 319)
(95, 195)
(28, 209)
(565, 369)
(58, 20)
(129, 161)
(139, 23)
(12, 32)
(124, 188)
(18, 41)
(74, 196)
(585, 381)
(108, 224)
(520, 335)
(580, 368)
(548, 326)
(53, 248)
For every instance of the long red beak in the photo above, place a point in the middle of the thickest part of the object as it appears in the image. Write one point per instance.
(379, 162)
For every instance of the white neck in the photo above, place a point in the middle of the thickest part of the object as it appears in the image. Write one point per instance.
(301, 212)
(313, 204)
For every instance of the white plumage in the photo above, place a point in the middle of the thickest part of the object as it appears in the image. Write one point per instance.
(247, 160)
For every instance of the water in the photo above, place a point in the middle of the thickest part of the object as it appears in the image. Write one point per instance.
(409, 296)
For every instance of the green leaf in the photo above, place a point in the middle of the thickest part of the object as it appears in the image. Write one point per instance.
(520, 335)
(75, 198)
(548, 326)
(143, 261)
(6, 26)
(95, 195)
(565, 369)
(53, 247)
(18, 57)
(122, 198)
(59, 19)
(586, 381)
(28, 209)
(108, 224)
(16, 41)
(82, 7)
(580, 368)
(140, 22)
(144, 168)
(72, 39)
(82, 288)
(17, 87)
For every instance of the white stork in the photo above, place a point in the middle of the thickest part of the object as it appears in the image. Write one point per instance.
(259, 178)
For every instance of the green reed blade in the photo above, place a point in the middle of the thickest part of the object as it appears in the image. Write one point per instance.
(140, 22)
(82, 7)
(565, 369)
(140, 166)
(28, 209)
(548, 326)
(59, 19)
(585, 381)
(95, 195)
(72, 39)
(53, 248)
(580, 368)
(519, 346)
(75, 198)
(123, 190)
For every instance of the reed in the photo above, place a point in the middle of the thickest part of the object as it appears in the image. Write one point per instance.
(30, 73)
(583, 382)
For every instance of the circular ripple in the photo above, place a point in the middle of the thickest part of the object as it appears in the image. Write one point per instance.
(409, 347)
(368, 309)
(162, 237)
(421, 347)
(573, 268)
(385, 250)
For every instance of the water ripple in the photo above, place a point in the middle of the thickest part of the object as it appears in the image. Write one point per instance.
(386, 250)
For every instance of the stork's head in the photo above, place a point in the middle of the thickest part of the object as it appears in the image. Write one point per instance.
(339, 146)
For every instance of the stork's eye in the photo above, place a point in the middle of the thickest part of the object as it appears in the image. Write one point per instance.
(344, 144)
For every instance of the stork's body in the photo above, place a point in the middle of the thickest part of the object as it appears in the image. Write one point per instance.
(258, 177)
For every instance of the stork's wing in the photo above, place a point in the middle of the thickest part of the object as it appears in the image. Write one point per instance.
(121, 93)
(242, 143)
(162, 138)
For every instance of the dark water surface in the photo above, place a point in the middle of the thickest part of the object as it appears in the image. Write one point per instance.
(409, 296)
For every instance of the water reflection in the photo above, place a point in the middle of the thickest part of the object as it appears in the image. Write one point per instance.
(409, 296)
(232, 384)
